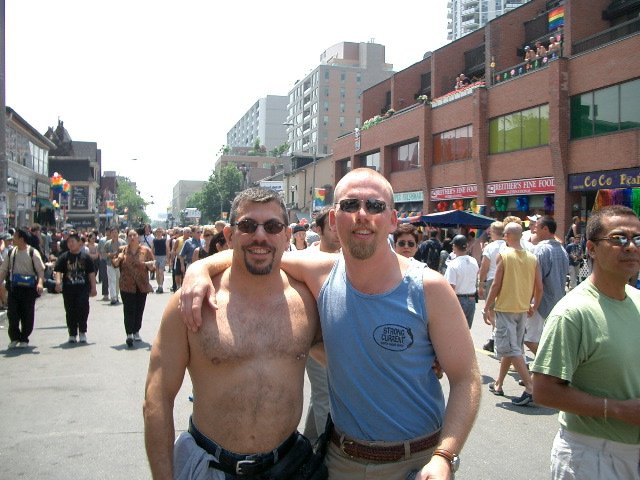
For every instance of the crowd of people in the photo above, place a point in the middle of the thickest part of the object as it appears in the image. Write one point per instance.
(124, 262)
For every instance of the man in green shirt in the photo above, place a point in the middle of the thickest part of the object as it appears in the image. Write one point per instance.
(587, 362)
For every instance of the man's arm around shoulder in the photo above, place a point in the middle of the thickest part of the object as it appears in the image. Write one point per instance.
(169, 359)
(454, 349)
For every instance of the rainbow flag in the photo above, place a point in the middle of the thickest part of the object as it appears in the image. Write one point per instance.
(556, 18)
(110, 208)
(319, 198)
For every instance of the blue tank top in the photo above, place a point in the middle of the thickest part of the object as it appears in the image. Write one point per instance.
(379, 357)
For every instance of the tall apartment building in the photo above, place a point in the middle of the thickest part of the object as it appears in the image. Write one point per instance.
(264, 121)
(466, 16)
(327, 102)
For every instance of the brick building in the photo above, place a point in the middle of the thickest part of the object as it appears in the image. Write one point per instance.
(554, 135)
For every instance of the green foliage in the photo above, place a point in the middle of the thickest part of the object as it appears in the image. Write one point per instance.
(128, 198)
(279, 150)
(217, 194)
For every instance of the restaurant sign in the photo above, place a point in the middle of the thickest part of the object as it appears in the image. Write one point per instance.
(625, 178)
(454, 192)
(527, 186)
(405, 197)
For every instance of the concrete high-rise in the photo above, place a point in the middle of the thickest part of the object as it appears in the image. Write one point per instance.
(327, 102)
(264, 121)
(466, 16)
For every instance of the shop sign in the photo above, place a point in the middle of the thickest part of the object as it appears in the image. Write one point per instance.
(356, 138)
(452, 193)
(404, 197)
(42, 190)
(272, 185)
(527, 186)
(79, 198)
(625, 178)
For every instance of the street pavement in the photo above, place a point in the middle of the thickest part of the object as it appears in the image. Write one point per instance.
(75, 411)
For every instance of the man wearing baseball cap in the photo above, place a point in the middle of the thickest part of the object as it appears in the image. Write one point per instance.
(461, 274)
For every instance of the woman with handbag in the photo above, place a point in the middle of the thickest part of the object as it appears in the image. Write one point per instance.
(135, 261)
(24, 271)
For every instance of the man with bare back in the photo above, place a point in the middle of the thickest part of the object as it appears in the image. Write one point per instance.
(246, 364)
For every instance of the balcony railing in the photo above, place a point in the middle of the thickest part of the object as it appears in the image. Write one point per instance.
(606, 36)
(524, 68)
(456, 94)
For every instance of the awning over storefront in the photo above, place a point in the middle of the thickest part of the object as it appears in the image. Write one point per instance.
(45, 203)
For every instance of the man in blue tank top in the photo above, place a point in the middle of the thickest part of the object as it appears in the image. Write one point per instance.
(384, 320)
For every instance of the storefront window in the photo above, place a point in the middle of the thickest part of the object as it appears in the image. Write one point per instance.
(525, 129)
(630, 105)
(452, 145)
(372, 161)
(405, 157)
(606, 110)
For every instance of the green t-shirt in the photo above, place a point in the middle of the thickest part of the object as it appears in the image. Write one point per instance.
(593, 342)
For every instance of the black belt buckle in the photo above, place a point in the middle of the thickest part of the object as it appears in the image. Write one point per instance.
(242, 463)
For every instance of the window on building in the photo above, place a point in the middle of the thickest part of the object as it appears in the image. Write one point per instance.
(357, 122)
(325, 120)
(372, 161)
(516, 131)
(342, 107)
(452, 145)
(358, 77)
(326, 106)
(325, 149)
(606, 110)
(326, 91)
(341, 121)
(326, 74)
(343, 93)
(343, 76)
(405, 157)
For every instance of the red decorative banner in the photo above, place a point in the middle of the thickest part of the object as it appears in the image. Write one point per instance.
(528, 186)
(454, 192)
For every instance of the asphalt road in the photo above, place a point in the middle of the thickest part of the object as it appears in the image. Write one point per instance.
(76, 411)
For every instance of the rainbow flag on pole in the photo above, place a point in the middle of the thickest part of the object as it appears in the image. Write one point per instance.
(110, 208)
(319, 198)
(556, 18)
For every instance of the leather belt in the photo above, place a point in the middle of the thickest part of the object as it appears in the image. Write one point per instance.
(381, 453)
(466, 295)
(236, 464)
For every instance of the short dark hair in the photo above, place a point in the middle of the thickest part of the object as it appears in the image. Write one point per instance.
(549, 222)
(322, 216)
(594, 224)
(433, 233)
(257, 195)
(403, 229)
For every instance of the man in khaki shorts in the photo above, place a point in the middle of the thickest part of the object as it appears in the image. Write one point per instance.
(517, 281)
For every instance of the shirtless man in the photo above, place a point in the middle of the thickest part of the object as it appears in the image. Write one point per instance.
(384, 318)
(246, 364)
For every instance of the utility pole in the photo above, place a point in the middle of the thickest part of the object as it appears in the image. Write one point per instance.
(3, 132)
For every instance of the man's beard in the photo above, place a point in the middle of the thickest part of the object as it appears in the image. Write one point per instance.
(361, 251)
(256, 270)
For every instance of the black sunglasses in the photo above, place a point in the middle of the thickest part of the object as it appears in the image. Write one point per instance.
(408, 243)
(248, 225)
(371, 205)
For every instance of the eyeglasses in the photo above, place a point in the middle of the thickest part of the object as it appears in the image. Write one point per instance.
(407, 243)
(207, 235)
(371, 205)
(248, 225)
(620, 240)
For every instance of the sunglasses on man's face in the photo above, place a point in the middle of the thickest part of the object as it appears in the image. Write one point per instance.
(406, 243)
(248, 225)
(371, 205)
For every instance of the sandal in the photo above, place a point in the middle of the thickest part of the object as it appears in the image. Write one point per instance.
(495, 391)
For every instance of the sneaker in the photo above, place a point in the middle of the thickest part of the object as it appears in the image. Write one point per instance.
(136, 337)
(105, 298)
(159, 290)
(525, 399)
(14, 344)
(72, 339)
(114, 302)
(489, 345)
(129, 340)
(83, 337)
(23, 345)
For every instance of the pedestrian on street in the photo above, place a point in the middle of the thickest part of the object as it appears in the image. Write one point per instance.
(112, 247)
(516, 283)
(24, 271)
(462, 274)
(76, 278)
(588, 358)
(135, 261)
